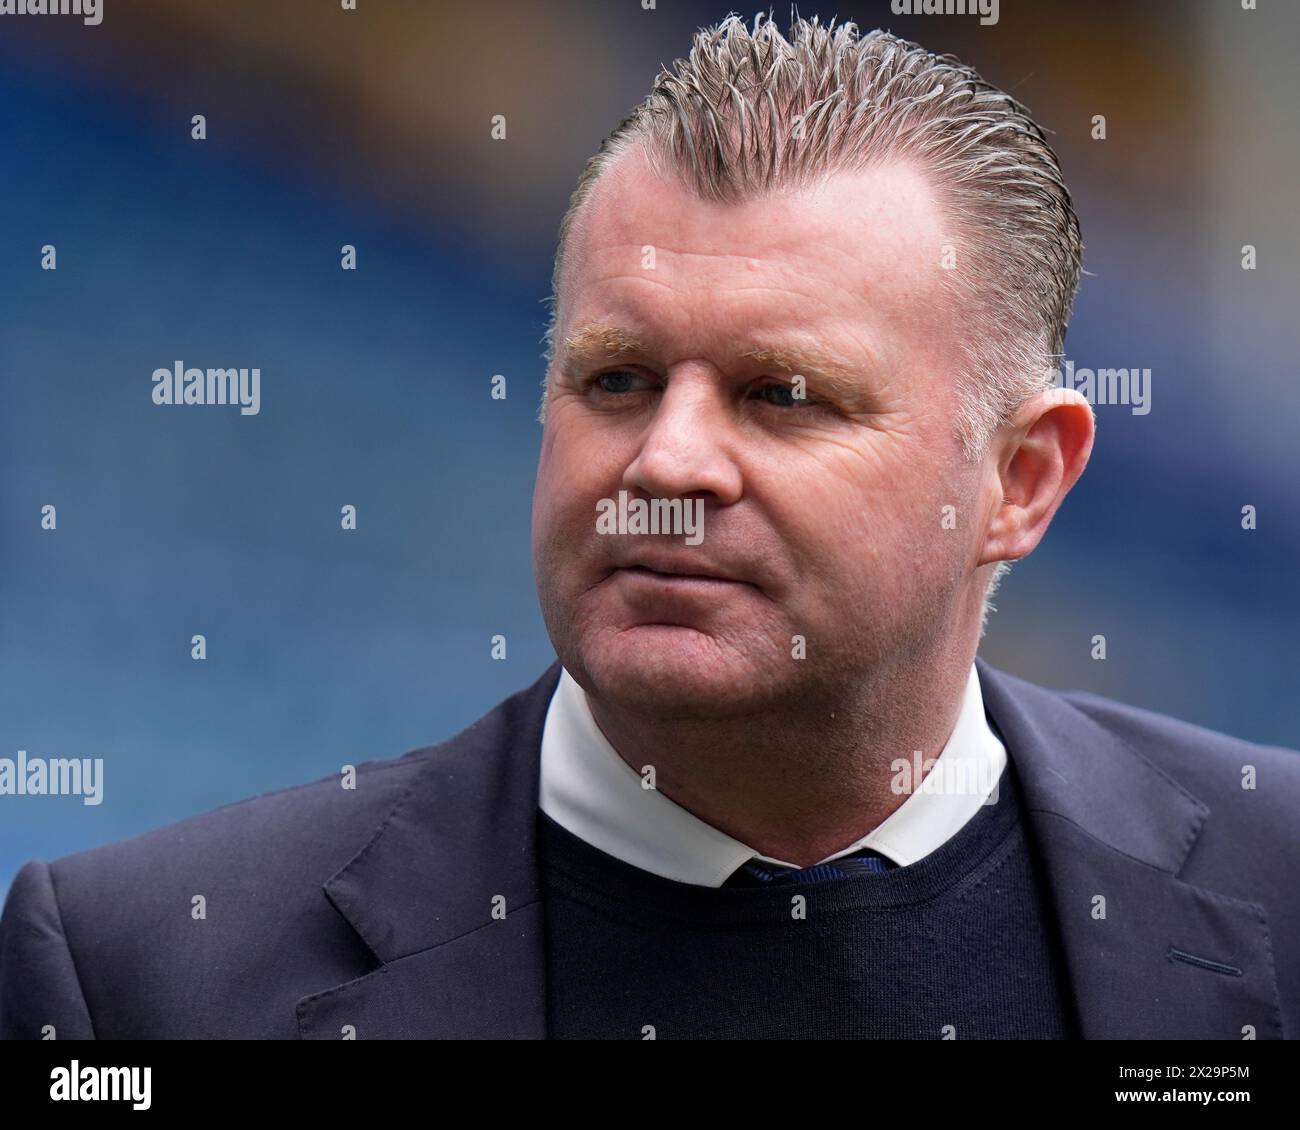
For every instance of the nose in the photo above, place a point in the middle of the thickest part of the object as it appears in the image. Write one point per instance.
(687, 449)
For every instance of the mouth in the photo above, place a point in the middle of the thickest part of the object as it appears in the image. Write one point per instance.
(653, 576)
(656, 598)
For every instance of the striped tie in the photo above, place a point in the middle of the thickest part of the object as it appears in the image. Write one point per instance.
(758, 873)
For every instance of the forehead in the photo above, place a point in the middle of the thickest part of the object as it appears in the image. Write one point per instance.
(859, 255)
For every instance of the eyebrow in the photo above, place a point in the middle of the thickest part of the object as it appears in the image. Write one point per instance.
(603, 342)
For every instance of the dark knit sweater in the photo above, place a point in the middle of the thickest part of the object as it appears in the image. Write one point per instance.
(962, 939)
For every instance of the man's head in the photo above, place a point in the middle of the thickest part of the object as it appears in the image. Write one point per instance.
(853, 219)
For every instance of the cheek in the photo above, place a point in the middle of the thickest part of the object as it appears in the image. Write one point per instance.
(554, 494)
(543, 498)
(572, 476)
(869, 521)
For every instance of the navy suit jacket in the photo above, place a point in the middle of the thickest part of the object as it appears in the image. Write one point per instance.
(370, 911)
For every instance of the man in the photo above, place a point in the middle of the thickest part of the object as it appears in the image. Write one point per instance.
(805, 300)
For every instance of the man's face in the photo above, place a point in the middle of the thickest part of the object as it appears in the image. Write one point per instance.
(823, 516)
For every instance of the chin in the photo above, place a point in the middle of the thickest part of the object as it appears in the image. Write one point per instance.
(673, 668)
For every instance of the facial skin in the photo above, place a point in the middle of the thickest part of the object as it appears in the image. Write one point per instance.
(826, 513)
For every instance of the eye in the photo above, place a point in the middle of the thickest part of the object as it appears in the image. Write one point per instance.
(619, 381)
(782, 396)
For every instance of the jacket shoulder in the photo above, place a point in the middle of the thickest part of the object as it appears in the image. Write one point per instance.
(216, 925)
(315, 824)
(291, 838)
(1251, 792)
(1185, 750)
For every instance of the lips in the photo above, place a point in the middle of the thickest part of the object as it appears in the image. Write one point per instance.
(661, 576)
(676, 591)
(692, 571)
(682, 568)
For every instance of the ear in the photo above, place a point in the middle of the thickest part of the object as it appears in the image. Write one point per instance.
(1037, 456)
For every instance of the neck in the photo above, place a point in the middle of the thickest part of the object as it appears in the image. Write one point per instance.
(797, 782)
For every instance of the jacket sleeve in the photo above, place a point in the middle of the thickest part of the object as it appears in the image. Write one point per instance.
(39, 986)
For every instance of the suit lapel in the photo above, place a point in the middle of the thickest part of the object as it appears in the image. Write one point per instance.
(1169, 960)
(421, 895)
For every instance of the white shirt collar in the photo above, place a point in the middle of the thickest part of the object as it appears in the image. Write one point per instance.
(596, 795)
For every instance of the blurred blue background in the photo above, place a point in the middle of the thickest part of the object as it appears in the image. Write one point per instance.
(328, 127)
